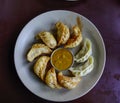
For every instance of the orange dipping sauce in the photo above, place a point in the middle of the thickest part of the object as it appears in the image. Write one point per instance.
(61, 59)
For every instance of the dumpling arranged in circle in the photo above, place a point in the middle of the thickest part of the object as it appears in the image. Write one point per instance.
(63, 33)
(36, 50)
(41, 66)
(51, 79)
(85, 52)
(75, 38)
(68, 82)
(84, 69)
(48, 39)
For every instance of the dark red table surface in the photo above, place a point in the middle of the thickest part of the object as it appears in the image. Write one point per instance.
(14, 14)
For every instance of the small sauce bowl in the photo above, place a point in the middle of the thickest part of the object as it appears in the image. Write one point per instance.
(62, 59)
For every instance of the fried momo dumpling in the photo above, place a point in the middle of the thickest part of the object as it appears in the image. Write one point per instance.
(75, 39)
(48, 39)
(85, 52)
(51, 79)
(36, 50)
(68, 82)
(63, 33)
(40, 66)
(84, 69)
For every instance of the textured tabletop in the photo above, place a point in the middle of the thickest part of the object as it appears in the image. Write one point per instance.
(105, 14)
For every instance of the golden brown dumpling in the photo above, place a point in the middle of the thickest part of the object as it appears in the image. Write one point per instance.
(76, 38)
(48, 39)
(40, 66)
(63, 33)
(51, 79)
(68, 82)
(36, 50)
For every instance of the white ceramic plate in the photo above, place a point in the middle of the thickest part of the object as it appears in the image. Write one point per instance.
(46, 21)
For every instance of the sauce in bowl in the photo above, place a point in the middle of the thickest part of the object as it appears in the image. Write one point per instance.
(61, 59)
